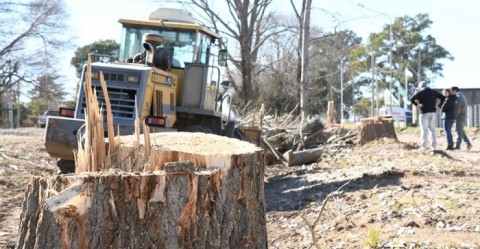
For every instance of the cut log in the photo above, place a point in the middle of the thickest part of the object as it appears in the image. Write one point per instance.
(195, 191)
(331, 113)
(313, 125)
(374, 128)
(302, 157)
(282, 141)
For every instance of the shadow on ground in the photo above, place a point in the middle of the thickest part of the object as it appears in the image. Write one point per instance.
(292, 192)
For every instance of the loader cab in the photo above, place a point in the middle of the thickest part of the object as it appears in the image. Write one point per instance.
(187, 41)
(188, 51)
(194, 51)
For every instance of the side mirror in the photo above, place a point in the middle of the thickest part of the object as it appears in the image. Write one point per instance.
(222, 57)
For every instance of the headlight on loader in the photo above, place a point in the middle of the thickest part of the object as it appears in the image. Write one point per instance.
(133, 78)
(94, 75)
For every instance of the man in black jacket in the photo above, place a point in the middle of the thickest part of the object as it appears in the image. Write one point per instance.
(426, 101)
(450, 113)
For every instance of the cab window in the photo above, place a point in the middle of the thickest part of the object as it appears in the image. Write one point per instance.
(182, 43)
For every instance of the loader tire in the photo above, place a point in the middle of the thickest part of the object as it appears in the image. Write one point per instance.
(198, 128)
(65, 166)
(239, 134)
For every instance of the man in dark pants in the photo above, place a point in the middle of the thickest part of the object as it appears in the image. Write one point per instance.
(426, 101)
(449, 110)
(461, 119)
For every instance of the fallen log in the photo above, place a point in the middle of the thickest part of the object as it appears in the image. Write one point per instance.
(302, 157)
(195, 191)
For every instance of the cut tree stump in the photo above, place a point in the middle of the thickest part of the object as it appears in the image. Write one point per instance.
(191, 190)
(374, 128)
(331, 112)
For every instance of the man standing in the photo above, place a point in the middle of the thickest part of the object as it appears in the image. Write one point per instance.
(461, 119)
(426, 101)
(449, 110)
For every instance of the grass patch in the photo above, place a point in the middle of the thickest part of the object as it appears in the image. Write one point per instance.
(417, 129)
(373, 238)
(398, 207)
(446, 171)
(407, 129)
(13, 153)
(453, 205)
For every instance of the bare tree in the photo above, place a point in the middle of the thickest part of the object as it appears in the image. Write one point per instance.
(303, 44)
(248, 24)
(30, 30)
(277, 69)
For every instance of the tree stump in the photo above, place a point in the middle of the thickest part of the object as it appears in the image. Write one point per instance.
(374, 128)
(188, 190)
(331, 112)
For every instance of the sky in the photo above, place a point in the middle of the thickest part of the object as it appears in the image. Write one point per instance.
(454, 25)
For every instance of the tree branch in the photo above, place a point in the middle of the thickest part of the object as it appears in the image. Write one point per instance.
(324, 204)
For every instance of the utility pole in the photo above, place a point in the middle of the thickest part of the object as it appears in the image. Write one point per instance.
(405, 98)
(353, 100)
(341, 90)
(377, 98)
(419, 75)
(390, 63)
(19, 106)
(10, 114)
(372, 111)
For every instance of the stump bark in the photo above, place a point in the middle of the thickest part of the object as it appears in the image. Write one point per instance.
(184, 190)
(375, 128)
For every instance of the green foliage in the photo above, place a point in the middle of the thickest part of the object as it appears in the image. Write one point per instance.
(49, 90)
(360, 59)
(103, 47)
(362, 108)
(14, 153)
(410, 41)
(399, 206)
(407, 129)
(328, 52)
(452, 204)
(373, 238)
(69, 104)
(36, 107)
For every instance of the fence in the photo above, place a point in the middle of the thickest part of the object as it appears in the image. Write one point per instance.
(7, 117)
(473, 119)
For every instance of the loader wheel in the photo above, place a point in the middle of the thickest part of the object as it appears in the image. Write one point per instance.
(65, 166)
(239, 134)
(198, 128)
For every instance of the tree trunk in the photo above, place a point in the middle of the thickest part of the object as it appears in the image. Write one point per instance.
(375, 128)
(194, 191)
(304, 44)
(331, 112)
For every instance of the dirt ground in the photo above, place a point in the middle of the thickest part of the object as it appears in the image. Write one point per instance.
(393, 195)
